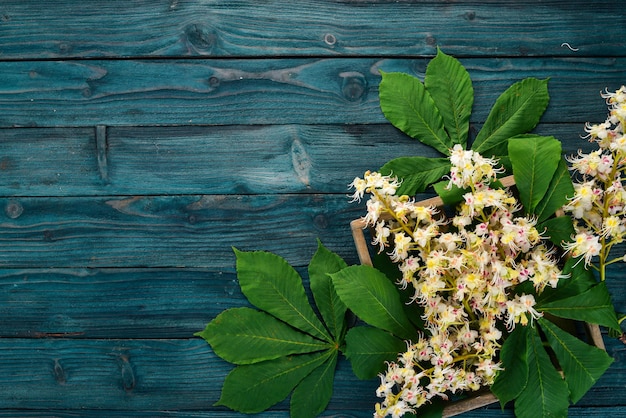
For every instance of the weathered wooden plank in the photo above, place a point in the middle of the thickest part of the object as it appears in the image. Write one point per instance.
(126, 303)
(574, 412)
(127, 375)
(206, 159)
(170, 231)
(141, 374)
(81, 303)
(268, 91)
(219, 28)
(48, 161)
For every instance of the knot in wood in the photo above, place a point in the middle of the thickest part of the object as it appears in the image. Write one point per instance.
(128, 376)
(320, 221)
(354, 85)
(59, 372)
(330, 39)
(13, 210)
(200, 36)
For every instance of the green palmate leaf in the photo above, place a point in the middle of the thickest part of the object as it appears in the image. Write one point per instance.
(313, 393)
(275, 287)
(578, 281)
(372, 297)
(511, 381)
(515, 112)
(450, 86)
(559, 230)
(253, 388)
(369, 348)
(545, 394)
(332, 309)
(593, 306)
(559, 190)
(535, 160)
(410, 108)
(582, 364)
(416, 173)
(245, 335)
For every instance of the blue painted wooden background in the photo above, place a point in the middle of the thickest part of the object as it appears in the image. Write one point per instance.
(140, 140)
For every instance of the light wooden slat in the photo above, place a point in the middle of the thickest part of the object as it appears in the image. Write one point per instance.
(269, 91)
(207, 159)
(121, 28)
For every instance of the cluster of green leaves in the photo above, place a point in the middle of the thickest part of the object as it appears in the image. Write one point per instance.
(545, 367)
(542, 385)
(282, 347)
(437, 113)
(541, 380)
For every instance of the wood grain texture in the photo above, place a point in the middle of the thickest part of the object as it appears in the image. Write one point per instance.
(274, 159)
(171, 231)
(191, 28)
(129, 375)
(617, 412)
(574, 412)
(131, 303)
(269, 91)
(118, 303)
(141, 140)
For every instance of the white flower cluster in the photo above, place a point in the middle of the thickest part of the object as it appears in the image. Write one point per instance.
(463, 272)
(599, 202)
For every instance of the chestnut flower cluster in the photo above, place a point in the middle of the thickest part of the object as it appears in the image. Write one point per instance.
(599, 202)
(462, 273)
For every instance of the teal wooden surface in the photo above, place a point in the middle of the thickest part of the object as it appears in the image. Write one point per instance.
(173, 160)
(140, 141)
(145, 374)
(120, 28)
(264, 91)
